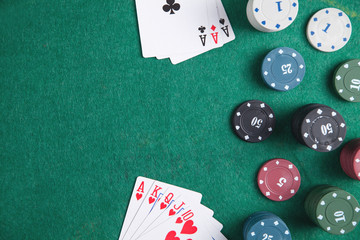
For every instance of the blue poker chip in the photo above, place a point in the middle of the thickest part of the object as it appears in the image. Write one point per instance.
(283, 69)
(265, 225)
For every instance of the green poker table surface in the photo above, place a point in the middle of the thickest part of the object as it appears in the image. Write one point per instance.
(83, 114)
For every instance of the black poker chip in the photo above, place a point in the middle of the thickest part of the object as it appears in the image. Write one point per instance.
(253, 121)
(298, 118)
(319, 127)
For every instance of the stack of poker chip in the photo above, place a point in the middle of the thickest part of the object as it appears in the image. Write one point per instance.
(347, 80)
(332, 209)
(319, 127)
(283, 69)
(271, 15)
(279, 179)
(265, 225)
(253, 121)
(350, 159)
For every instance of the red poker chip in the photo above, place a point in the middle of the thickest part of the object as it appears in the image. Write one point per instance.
(350, 159)
(279, 179)
(356, 165)
(346, 159)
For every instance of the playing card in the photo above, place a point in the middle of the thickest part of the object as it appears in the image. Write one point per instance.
(177, 208)
(214, 227)
(226, 34)
(190, 224)
(173, 196)
(141, 188)
(159, 210)
(169, 27)
(159, 191)
(209, 35)
(151, 199)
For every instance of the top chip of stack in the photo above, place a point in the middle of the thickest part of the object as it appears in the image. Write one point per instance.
(333, 209)
(271, 15)
(329, 30)
(253, 121)
(319, 127)
(265, 224)
(283, 69)
(347, 80)
(350, 159)
(279, 179)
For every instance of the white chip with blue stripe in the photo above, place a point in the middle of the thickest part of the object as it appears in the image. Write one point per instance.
(329, 30)
(272, 15)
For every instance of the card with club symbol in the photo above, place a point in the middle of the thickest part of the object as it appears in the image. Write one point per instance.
(160, 211)
(182, 29)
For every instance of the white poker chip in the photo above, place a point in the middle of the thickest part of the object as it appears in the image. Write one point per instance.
(251, 17)
(329, 30)
(272, 15)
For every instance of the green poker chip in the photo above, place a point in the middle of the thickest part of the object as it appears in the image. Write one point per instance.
(347, 80)
(333, 209)
(338, 212)
(313, 199)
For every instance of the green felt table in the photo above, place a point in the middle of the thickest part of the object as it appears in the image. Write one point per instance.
(83, 114)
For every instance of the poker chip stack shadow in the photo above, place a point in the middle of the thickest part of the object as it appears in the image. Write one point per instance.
(265, 225)
(332, 209)
(350, 159)
(183, 29)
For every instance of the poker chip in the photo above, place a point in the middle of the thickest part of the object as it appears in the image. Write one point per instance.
(279, 179)
(350, 159)
(329, 30)
(253, 121)
(283, 69)
(319, 127)
(347, 80)
(251, 17)
(265, 225)
(298, 118)
(333, 209)
(271, 15)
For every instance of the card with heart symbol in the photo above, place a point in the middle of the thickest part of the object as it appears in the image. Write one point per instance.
(194, 223)
(141, 188)
(179, 207)
(153, 202)
(181, 29)
(157, 210)
(165, 208)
